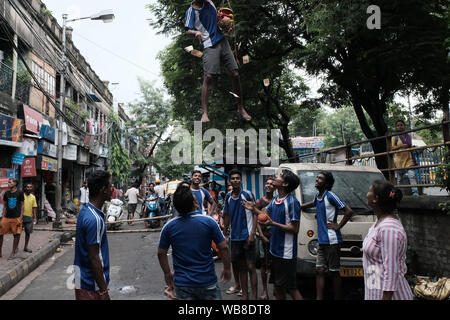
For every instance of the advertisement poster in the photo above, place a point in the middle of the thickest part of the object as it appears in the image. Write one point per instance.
(28, 168)
(29, 147)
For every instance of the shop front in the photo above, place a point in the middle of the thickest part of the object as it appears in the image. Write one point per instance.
(10, 141)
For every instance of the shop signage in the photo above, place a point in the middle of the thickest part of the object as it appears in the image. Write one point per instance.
(104, 151)
(29, 147)
(18, 158)
(83, 156)
(11, 174)
(47, 148)
(29, 168)
(307, 142)
(72, 136)
(10, 128)
(47, 133)
(70, 152)
(47, 164)
(33, 119)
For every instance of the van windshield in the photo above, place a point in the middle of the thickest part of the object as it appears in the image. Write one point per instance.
(350, 186)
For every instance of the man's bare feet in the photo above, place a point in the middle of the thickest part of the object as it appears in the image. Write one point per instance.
(244, 114)
(205, 117)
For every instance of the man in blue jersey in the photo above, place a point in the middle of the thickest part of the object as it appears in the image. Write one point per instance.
(201, 194)
(284, 219)
(91, 244)
(201, 22)
(190, 235)
(327, 206)
(242, 223)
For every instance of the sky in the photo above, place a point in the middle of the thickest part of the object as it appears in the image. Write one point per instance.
(120, 51)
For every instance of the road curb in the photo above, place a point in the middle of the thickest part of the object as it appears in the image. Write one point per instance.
(10, 278)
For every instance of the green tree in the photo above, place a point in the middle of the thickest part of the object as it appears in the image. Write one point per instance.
(150, 117)
(360, 67)
(119, 160)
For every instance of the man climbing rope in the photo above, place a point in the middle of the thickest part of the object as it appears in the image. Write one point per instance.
(201, 22)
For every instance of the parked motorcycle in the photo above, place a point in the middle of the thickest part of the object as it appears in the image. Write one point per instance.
(114, 213)
(152, 210)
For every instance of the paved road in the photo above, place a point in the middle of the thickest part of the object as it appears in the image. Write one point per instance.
(135, 272)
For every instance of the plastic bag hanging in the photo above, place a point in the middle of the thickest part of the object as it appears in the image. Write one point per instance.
(225, 21)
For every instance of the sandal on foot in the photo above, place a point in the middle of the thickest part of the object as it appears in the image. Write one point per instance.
(232, 290)
(240, 293)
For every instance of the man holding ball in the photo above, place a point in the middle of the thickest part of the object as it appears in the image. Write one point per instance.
(284, 220)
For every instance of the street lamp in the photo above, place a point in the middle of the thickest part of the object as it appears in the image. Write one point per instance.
(106, 16)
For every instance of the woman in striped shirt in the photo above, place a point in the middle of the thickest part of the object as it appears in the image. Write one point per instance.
(384, 248)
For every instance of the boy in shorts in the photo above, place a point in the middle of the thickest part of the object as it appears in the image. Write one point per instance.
(242, 237)
(284, 211)
(12, 216)
(201, 22)
(327, 206)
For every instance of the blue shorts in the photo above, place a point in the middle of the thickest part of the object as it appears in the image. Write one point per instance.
(208, 293)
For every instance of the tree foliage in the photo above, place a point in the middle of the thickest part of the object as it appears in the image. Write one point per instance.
(149, 119)
(120, 162)
(360, 67)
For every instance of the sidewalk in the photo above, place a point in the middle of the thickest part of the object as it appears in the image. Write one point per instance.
(43, 242)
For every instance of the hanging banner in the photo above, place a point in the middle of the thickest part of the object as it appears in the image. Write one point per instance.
(28, 168)
(46, 148)
(18, 158)
(47, 164)
(33, 119)
(70, 152)
(5, 127)
(307, 142)
(83, 156)
(29, 147)
(48, 133)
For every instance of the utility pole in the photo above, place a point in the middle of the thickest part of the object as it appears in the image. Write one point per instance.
(106, 16)
(58, 196)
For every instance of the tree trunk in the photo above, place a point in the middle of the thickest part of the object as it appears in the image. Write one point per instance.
(286, 144)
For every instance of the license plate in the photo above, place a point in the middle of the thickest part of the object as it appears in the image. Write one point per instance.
(351, 272)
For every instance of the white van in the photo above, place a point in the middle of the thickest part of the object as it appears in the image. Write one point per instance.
(351, 185)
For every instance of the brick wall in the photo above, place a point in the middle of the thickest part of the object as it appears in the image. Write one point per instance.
(428, 230)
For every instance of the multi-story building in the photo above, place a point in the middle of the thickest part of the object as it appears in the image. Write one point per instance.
(29, 103)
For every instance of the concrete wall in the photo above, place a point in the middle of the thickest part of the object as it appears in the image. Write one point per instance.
(428, 230)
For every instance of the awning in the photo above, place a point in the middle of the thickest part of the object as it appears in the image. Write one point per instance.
(10, 143)
(94, 97)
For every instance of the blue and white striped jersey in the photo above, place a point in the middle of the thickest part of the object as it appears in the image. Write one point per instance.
(205, 21)
(327, 210)
(241, 219)
(283, 244)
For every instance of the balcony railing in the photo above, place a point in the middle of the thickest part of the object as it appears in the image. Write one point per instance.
(6, 83)
(428, 158)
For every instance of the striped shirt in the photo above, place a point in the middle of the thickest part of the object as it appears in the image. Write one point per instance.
(202, 195)
(241, 219)
(205, 21)
(384, 261)
(283, 211)
(327, 210)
